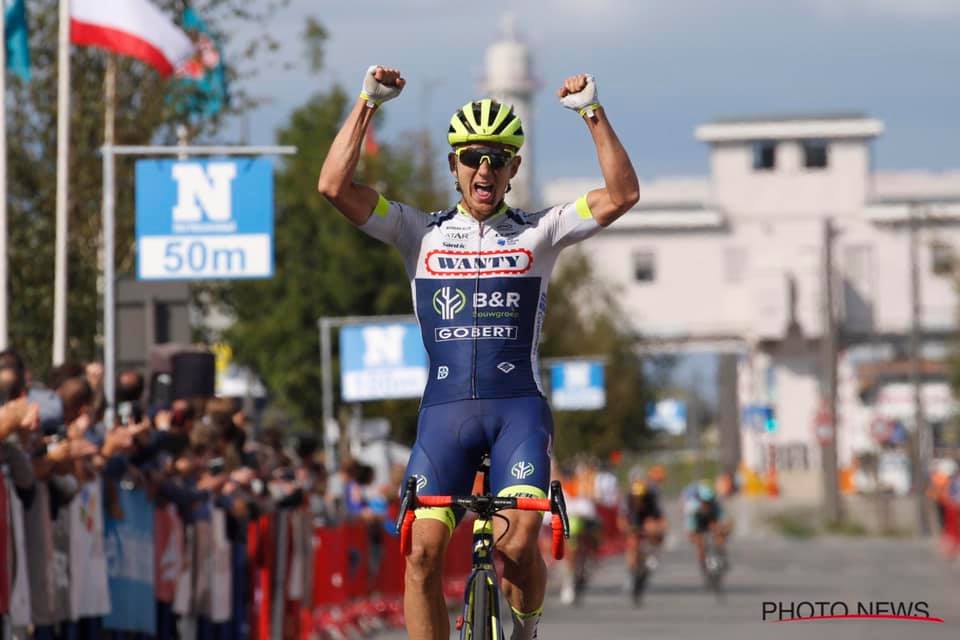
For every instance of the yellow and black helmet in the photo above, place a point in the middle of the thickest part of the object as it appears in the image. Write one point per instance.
(486, 121)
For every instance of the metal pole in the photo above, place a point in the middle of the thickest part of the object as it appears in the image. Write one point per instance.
(109, 115)
(921, 461)
(63, 182)
(828, 450)
(194, 150)
(729, 417)
(109, 281)
(326, 390)
(3, 182)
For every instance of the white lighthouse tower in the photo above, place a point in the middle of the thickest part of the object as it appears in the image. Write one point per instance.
(509, 78)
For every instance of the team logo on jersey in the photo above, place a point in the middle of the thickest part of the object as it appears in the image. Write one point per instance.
(448, 302)
(448, 263)
(506, 367)
(522, 470)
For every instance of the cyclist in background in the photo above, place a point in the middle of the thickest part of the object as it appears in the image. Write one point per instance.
(584, 533)
(643, 521)
(703, 516)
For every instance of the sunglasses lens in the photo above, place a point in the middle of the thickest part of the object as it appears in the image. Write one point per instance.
(474, 157)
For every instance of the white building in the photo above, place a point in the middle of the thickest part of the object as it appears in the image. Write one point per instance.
(510, 79)
(731, 261)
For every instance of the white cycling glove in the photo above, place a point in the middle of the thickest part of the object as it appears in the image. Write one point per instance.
(584, 101)
(374, 91)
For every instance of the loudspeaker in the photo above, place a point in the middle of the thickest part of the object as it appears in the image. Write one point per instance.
(194, 375)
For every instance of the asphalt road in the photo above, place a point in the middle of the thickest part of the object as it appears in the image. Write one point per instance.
(832, 570)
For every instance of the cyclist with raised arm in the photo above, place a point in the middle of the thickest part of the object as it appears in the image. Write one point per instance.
(479, 273)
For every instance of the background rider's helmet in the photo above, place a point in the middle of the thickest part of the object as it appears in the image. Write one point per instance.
(638, 488)
(705, 492)
(486, 121)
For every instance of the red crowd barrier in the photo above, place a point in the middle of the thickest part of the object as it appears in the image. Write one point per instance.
(951, 527)
(612, 540)
(352, 595)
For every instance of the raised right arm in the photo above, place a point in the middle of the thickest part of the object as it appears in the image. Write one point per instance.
(336, 183)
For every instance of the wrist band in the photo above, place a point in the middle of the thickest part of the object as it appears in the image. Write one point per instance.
(371, 103)
(589, 109)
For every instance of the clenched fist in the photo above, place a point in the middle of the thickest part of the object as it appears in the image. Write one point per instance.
(381, 84)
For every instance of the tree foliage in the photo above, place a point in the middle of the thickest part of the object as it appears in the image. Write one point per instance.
(324, 266)
(144, 114)
(584, 319)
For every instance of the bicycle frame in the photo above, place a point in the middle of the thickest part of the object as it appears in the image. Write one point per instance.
(481, 618)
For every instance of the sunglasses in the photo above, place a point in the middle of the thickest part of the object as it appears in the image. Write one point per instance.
(473, 157)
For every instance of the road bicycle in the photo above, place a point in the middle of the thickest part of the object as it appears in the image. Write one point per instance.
(714, 565)
(646, 562)
(481, 618)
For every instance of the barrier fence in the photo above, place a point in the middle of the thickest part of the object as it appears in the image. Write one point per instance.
(950, 536)
(142, 569)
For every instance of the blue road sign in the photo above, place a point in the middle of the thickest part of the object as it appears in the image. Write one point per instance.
(204, 219)
(577, 385)
(382, 360)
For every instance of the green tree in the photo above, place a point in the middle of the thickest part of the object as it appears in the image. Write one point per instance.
(324, 266)
(144, 114)
(584, 319)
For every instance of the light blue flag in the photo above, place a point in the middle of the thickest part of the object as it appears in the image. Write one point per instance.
(203, 75)
(17, 39)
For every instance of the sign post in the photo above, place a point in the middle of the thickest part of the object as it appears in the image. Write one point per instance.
(205, 195)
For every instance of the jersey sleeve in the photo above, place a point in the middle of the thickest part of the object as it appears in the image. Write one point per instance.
(571, 223)
(397, 224)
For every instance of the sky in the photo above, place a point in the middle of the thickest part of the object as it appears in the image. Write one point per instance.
(662, 68)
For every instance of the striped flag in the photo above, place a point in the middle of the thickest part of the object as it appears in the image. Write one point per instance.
(134, 28)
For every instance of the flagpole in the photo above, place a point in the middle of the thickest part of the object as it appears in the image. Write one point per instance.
(63, 180)
(107, 246)
(3, 180)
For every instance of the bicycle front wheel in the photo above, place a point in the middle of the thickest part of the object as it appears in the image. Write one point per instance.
(480, 624)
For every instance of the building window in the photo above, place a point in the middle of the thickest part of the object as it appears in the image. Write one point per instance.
(815, 154)
(764, 155)
(644, 269)
(941, 258)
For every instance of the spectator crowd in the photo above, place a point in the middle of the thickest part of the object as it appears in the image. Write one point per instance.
(160, 520)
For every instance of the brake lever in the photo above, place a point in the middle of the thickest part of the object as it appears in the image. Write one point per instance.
(559, 506)
(408, 501)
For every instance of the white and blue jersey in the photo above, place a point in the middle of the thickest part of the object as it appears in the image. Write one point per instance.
(480, 294)
(480, 290)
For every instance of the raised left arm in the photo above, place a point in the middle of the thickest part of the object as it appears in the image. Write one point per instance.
(621, 188)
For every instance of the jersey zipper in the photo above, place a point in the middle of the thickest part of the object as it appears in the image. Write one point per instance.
(476, 290)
